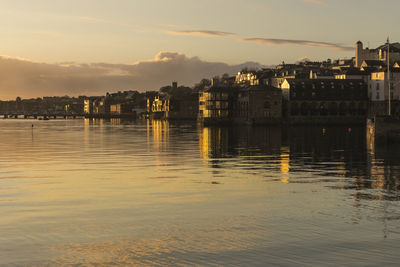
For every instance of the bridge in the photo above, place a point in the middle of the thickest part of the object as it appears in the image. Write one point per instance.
(40, 116)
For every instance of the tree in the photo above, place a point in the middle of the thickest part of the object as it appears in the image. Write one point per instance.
(225, 76)
(202, 84)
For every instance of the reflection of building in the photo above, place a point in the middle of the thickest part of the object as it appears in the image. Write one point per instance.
(214, 142)
(160, 133)
(259, 105)
(285, 164)
(222, 142)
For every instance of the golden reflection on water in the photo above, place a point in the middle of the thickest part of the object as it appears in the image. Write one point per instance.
(108, 192)
(204, 142)
(160, 130)
(285, 164)
(214, 142)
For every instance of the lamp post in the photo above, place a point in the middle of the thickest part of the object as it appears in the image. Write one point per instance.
(388, 72)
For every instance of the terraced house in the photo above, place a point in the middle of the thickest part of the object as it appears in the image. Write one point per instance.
(332, 100)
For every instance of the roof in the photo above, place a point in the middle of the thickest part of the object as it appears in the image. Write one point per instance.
(220, 88)
(354, 71)
(394, 47)
(320, 82)
(369, 69)
(392, 69)
(374, 63)
(324, 72)
(260, 87)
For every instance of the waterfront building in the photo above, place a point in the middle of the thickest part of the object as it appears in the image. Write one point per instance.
(74, 108)
(259, 104)
(379, 92)
(322, 100)
(158, 106)
(183, 107)
(87, 106)
(122, 109)
(216, 103)
(100, 107)
(176, 103)
(95, 106)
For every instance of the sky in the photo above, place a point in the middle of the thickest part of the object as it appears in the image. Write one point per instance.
(58, 47)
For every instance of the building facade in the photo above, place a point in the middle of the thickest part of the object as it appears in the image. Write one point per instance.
(378, 54)
(379, 93)
(216, 104)
(333, 100)
(259, 104)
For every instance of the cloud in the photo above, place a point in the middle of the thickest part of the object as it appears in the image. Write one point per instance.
(200, 33)
(266, 41)
(31, 79)
(303, 59)
(316, 2)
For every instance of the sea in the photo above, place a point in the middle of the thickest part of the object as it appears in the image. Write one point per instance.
(87, 192)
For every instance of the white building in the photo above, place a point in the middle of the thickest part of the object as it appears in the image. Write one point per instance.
(379, 85)
(378, 92)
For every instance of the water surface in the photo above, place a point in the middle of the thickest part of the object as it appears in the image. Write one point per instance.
(153, 193)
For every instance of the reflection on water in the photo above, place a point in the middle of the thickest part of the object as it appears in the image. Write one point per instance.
(96, 192)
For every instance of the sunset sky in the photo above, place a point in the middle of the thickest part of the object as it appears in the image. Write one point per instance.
(126, 33)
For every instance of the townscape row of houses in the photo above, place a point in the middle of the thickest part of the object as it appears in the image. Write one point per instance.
(121, 104)
(331, 91)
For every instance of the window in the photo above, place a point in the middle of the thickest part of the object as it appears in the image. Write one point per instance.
(377, 86)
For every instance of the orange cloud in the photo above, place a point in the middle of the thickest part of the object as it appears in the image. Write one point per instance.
(201, 33)
(269, 41)
(31, 79)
